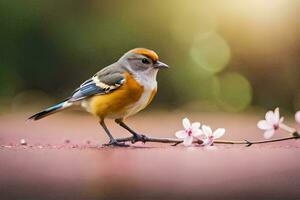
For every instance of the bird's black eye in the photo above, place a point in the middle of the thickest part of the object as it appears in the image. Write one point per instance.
(145, 61)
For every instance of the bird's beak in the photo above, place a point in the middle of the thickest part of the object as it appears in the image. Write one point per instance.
(160, 65)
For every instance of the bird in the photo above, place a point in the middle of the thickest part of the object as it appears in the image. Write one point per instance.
(116, 92)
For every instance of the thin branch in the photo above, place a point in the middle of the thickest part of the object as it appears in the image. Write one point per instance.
(295, 135)
(149, 139)
(178, 141)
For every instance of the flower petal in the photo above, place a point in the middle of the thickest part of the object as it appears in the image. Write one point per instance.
(197, 133)
(208, 142)
(219, 133)
(186, 123)
(277, 114)
(207, 130)
(281, 120)
(201, 136)
(204, 141)
(181, 134)
(297, 117)
(188, 141)
(269, 133)
(264, 125)
(271, 118)
(196, 125)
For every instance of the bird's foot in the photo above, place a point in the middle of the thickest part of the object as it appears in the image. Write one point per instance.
(139, 138)
(115, 143)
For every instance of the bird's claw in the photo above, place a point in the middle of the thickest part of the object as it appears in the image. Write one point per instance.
(115, 143)
(139, 138)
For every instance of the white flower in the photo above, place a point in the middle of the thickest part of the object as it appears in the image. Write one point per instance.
(297, 117)
(190, 131)
(210, 136)
(271, 123)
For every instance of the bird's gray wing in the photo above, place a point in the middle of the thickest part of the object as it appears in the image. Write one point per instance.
(105, 81)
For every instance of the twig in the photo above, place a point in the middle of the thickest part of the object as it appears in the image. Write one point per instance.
(295, 135)
(175, 142)
(149, 139)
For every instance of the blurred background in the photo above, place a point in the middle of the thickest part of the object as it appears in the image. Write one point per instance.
(228, 55)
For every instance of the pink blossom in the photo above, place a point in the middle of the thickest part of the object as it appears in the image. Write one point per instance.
(210, 136)
(190, 131)
(272, 122)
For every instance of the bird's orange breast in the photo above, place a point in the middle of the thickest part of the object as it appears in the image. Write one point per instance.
(116, 102)
(153, 93)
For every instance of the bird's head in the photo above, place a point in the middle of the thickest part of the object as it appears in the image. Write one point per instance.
(142, 59)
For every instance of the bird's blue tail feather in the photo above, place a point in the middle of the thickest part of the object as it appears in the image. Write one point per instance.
(48, 111)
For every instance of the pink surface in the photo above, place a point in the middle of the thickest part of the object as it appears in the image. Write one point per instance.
(151, 171)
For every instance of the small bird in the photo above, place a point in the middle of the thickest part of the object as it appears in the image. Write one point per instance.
(118, 91)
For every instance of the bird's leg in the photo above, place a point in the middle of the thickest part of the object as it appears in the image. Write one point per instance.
(136, 137)
(112, 140)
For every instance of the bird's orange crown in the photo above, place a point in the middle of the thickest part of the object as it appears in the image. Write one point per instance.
(146, 52)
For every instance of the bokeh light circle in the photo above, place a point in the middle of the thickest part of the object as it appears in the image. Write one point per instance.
(211, 52)
(235, 92)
